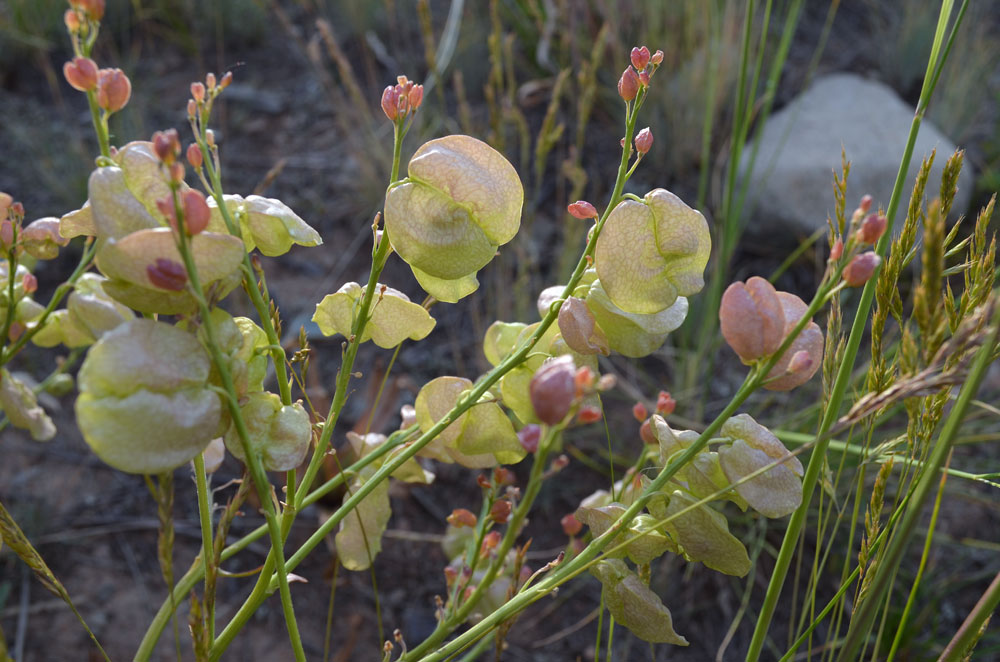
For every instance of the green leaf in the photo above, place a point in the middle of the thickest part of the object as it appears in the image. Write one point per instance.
(144, 404)
(393, 317)
(635, 605)
(18, 402)
(703, 535)
(651, 252)
(360, 537)
(461, 201)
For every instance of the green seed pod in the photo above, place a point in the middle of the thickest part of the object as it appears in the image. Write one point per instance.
(265, 223)
(279, 434)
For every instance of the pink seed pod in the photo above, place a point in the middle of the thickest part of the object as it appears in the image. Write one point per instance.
(665, 404)
(500, 511)
(553, 389)
(167, 274)
(640, 412)
(640, 58)
(589, 415)
(861, 268)
(644, 140)
(751, 319)
(657, 57)
(196, 211)
(114, 89)
(502, 476)
(166, 145)
(529, 436)
(644, 78)
(571, 526)
(461, 517)
(29, 283)
(579, 328)
(389, 101)
(837, 250)
(782, 376)
(6, 235)
(581, 209)
(415, 97)
(628, 84)
(81, 74)
(646, 433)
(198, 91)
(865, 204)
(194, 156)
(872, 228)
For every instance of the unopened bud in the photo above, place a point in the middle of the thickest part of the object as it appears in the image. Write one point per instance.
(192, 108)
(17, 209)
(503, 476)
(176, 172)
(389, 100)
(6, 200)
(640, 58)
(167, 145)
(210, 137)
(461, 517)
(194, 156)
(198, 92)
(553, 389)
(589, 415)
(665, 404)
(210, 80)
(6, 235)
(166, 207)
(450, 575)
(490, 542)
(529, 436)
(483, 482)
(559, 463)
(644, 78)
(582, 209)
(227, 79)
(196, 211)
(657, 57)
(861, 268)
(872, 228)
(640, 412)
(93, 8)
(606, 383)
(584, 380)
(646, 433)
(29, 283)
(500, 511)
(409, 415)
(644, 140)
(628, 84)
(865, 204)
(571, 526)
(17, 329)
(837, 250)
(415, 96)
(167, 274)
(801, 362)
(81, 74)
(72, 21)
(113, 89)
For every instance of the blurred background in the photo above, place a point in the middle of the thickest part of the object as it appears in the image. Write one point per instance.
(537, 79)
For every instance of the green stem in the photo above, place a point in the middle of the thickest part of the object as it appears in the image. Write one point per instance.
(207, 540)
(8, 319)
(841, 381)
(959, 646)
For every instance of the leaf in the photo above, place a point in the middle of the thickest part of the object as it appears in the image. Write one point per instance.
(267, 224)
(18, 402)
(279, 434)
(635, 605)
(144, 404)
(631, 334)
(704, 536)
(461, 201)
(360, 537)
(651, 252)
(393, 317)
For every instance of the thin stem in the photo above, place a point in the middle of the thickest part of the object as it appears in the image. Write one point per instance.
(207, 540)
(970, 629)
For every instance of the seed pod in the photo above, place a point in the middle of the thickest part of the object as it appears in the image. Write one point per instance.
(41, 238)
(640, 57)
(582, 209)
(553, 389)
(81, 73)
(751, 319)
(114, 89)
(579, 328)
(809, 341)
(861, 268)
(628, 84)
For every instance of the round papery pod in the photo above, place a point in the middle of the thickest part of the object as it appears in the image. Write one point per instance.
(42, 240)
(500, 340)
(751, 319)
(144, 404)
(651, 252)
(774, 493)
(145, 176)
(809, 341)
(632, 334)
(97, 312)
(279, 434)
(252, 352)
(392, 319)
(579, 328)
(461, 201)
(19, 404)
(671, 441)
(633, 604)
(62, 328)
(408, 472)
(703, 535)
(553, 389)
(481, 437)
(266, 224)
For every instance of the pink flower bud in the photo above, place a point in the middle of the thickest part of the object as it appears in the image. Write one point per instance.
(529, 436)
(227, 79)
(503, 476)
(579, 328)
(861, 268)
(93, 8)
(6, 235)
(72, 21)
(192, 108)
(113, 89)
(461, 517)
(582, 209)
(490, 542)
(176, 172)
(210, 80)
(751, 319)
(196, 211)
(166, 207)
(389, 100)
(17, 209)
(553, 389)
(606, 383)
(198, 92)
(500, 511)
(589, 415)
(210, 137)
(644, 78)
(801, 362)
(559, 463)
(644, 140)
(6, 200)
(657, 57)
(194, 156)
(865, 204)
(628, 84)
(640, 58)
(167, 145)
(646, 433)
(17, 329)
(837, 250)
(640, 412)
(583, 380)
(415, 96)
(29, 283)
(571, 526)
(665, 404)
(167, 274)
(872, 228)
(81, 74)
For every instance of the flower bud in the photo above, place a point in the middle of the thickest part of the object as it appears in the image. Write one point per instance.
(801, 362)
(644, 140)
(389, 100)
(192, 109)
(571, 526)
(665, 404)
(81, 74)
(606, 383)
(553, 389)
(861, 269)
(6, 235)
(657, 57)
(582, 209)
(113, 89)
(503, 476)
(6, 200)
(29, 283)
(461, 517)
(837, 250)
(559, 463)
(210, 80)
(17, 329)
(415, 96)
(93, 8)
(640, 58)
(490, 542)
(646, 433)
(227, 79)
(166, 145)
(450, 575)
(196, 211)
(583, 380)
(72, 21)
(483, 482)
(166, 207)
(176, 172)
(865, 204)
(529, 436)
(198, 92)
(589, 415)
(644, 78)
(194, 156)
(579, 328)
(640, 412)
(167, 274)
(628, 84)
(500, 511)
(872, 228)
(751, 319)
(17, 209)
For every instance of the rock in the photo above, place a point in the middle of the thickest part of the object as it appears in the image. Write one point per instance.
(791, 184)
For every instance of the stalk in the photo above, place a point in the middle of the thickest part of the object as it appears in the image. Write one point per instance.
(207, 539)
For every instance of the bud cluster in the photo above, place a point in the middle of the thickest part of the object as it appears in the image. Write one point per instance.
(112, 88)
(401, 99)
(865, 229)
(39, 239)
(636, 76)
